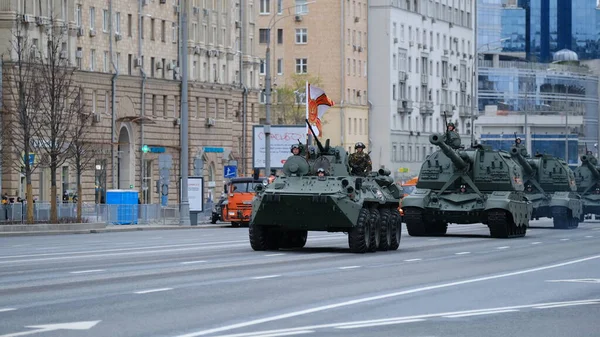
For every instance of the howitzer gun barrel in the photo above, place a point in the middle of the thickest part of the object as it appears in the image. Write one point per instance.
(438, 139)
(586, 161)
(514, 151)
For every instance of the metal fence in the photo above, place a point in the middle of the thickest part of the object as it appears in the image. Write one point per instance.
(141, 214)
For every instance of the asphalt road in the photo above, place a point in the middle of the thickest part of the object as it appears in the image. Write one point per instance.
(209, 282)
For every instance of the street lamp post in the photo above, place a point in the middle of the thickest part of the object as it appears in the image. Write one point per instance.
(267, 125)
(184, 208)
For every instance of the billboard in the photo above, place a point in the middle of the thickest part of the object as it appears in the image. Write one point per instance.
(195, 193)
(282, 138)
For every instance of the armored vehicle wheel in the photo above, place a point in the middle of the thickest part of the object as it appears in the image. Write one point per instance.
(293, 239)
(359, 237)
(385, 240)
(562, 218)
(375, 230)
(418, 226)
(502, 225)
(262, 238)
(395, 223)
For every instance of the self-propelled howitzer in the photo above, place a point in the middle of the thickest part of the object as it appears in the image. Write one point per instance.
(587, 178)
(476, 185)
(550, 186)
(300, 201)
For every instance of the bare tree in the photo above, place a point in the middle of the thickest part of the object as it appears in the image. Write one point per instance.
(81, 149)
(21, 122)
(60, 106)
(289, 107)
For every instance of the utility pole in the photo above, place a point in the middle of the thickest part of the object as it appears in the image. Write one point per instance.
(184, 208)
(267, 126)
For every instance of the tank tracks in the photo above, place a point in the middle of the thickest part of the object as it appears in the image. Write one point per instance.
(502, 225)
(562, 218)
(500, 222)
(418, 226)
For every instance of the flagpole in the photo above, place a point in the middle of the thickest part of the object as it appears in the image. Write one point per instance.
(307, 99)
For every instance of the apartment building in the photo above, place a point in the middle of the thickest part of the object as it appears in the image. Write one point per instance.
(425, 55)
(128, 59)
(326, 41)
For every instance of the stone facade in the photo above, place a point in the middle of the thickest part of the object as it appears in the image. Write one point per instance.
(145, 71)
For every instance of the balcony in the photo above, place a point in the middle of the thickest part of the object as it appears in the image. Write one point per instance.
(463, 86)
(464, 111)
(447, 108)
(426, 108)
(405, 107)
(402, 76)
(424, 79)
(444, 82)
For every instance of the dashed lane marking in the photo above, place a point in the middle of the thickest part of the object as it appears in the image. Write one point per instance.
(193, 262)
(87, 271)
(7, 309)
(536, 243)
(277, 254)
(366, 325)
(349, 267)
(503, 247)
(153, 291)
(265, 277)
(491, 312)
(412, 260)
(462, 253)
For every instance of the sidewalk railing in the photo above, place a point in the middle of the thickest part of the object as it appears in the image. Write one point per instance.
(140, 214)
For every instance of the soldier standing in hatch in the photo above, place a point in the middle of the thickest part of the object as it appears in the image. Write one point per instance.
(591, 158)
(451, 137)
(360, 162)
(521, 147)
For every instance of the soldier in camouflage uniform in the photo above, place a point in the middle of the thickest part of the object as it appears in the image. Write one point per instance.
(451, 137)
(360, 162)
(591, 158)
(521, 147)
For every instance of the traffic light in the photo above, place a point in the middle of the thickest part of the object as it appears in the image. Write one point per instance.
(145, 149)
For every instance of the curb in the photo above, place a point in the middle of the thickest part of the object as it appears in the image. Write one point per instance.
(111, 229)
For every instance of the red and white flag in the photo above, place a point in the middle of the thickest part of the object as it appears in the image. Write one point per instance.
(317, 104)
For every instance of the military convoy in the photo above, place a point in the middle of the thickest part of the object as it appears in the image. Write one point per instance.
(366, 208)
(551, 188)
(587, 177)
(477, 185)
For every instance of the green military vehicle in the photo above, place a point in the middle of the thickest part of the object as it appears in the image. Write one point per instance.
(550, 186)
(587, 178)
(366, 208)
(477, 185)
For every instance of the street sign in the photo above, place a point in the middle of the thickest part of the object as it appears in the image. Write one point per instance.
(230, 171)
(213, 150)
(31, 159)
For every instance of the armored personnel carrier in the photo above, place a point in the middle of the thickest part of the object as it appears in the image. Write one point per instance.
(478, 185)
(587, 178)
(550, 186)
(300, 201)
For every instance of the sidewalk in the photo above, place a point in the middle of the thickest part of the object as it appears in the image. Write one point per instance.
(89, 228)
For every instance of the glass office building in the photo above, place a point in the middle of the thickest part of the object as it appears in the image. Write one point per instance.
(489, 25)
(547, 90)
(547, 26)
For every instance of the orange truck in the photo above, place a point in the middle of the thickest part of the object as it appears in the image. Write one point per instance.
(237, 209)
(407, 188)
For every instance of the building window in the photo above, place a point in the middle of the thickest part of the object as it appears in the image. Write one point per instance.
(279, 6)
(129, 28)
(265, 6)
(263, 35)
(92, 18)
(105, 20)
(263, 67)
(163, 31)
(105, 62)
(141, 27)
(78, 14)
(301, 66)
(301, 36)
(152, 66)
(78, 57)
(92, 59)
(301, 7)
(152, 29)
(118, 22)
(63, 10)
(174, 32)
(279, 66)
(279, 36)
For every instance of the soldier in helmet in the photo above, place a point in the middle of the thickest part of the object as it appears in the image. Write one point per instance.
(451, 137)
(521, 147)
(296, 149)
(591, 158)
(360, 162)
(321, 172)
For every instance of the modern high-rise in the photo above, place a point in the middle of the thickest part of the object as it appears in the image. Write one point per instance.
(127, 56)
(420, 78)
(324, 42)
(549, 26)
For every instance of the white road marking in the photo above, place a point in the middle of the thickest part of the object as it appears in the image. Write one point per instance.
(271, 333)
(583, 280)
(564, 305)
(265, 277)
(366, 325)
(7, 309)
(536, 243)
(290, 333)
(152, 291)
(565, 239)
(349, 267)
(192, 262)
(589, 236)
(462, 253)
(481, 313)
(87, 271)
(412, 260)
(503, 247)
(433, 239)
(397, 320)
(384, 296)
(277, 254)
